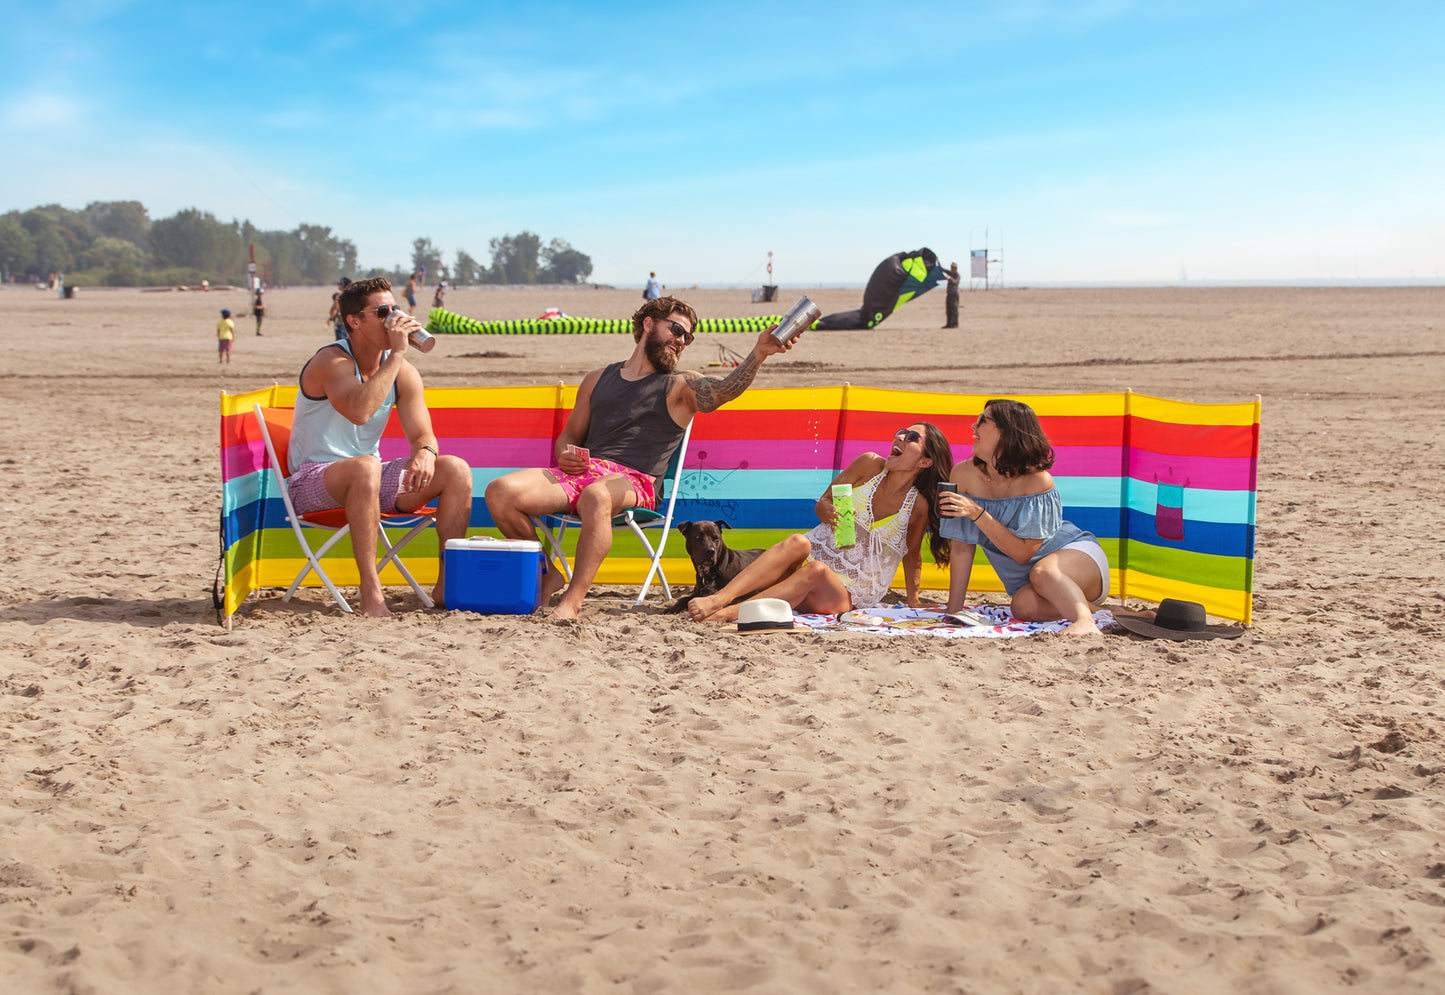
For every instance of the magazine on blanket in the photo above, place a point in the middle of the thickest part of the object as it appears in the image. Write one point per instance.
(886, 618)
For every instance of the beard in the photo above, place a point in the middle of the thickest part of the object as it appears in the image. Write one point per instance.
(659, 355)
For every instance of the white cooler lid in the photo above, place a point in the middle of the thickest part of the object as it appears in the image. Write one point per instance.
(496, 545)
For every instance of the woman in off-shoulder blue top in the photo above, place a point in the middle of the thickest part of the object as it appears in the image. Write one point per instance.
(1008, 504)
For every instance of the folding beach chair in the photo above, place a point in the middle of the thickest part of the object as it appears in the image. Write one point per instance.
(275, 424)
(638, 520)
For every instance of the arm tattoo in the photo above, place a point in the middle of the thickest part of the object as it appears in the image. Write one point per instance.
(713, 393)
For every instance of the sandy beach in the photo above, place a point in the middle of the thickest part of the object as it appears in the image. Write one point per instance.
(315, 802)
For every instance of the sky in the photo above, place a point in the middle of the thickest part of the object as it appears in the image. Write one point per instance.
(1098, 141)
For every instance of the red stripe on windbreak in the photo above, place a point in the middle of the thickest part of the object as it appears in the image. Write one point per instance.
(1061, 430)
(489, 423)
(1233, 441)
(238, 429)
(778, 423)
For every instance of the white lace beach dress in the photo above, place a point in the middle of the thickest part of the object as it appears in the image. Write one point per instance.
(867, 567)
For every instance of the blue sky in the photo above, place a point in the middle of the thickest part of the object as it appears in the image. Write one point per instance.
(1104, 141)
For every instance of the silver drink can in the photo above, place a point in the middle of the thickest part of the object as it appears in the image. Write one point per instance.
(800, 318)
(420, 338)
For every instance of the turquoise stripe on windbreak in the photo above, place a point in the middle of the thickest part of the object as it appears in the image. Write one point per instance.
(754, 485)
(241, 491)
(1088, 492)
(1200, 505)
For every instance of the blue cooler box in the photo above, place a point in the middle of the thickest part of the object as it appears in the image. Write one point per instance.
(493, 576)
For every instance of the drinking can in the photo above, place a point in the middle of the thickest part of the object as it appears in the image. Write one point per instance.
(799, 318)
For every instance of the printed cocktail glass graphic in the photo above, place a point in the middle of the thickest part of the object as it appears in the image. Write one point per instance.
(1169, 507)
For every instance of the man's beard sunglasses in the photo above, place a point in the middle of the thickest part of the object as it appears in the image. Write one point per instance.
(677, 330)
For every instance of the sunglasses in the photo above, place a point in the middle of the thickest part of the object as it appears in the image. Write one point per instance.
(907, 435)
(678, 331)
(383, 311)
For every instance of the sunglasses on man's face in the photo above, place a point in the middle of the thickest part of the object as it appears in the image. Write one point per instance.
(907, 435)
(678, 331)
(383, 311)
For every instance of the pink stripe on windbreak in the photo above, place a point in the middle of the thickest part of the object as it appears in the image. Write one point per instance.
(755, 454)
(1214, 473)
(481, 453)
(242, 458)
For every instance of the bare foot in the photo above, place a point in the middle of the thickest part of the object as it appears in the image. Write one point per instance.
(701, 609)
(567, 608)
(552, 582)
(727, 613)
(375, 609)
(438, 596)
(1083, 627)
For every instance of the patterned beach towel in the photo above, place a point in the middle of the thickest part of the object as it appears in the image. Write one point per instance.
(983, 622)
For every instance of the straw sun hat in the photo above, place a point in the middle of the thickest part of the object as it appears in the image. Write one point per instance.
(766, 615)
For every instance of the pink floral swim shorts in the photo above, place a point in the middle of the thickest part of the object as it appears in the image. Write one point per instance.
(597, 469)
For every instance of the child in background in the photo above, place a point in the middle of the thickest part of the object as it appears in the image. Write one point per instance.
(225, 332)
(258, 308)
(439, 298)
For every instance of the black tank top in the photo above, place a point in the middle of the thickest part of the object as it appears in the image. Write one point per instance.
(630, 422)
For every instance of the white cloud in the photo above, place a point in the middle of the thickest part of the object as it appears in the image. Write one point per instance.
(40, 111)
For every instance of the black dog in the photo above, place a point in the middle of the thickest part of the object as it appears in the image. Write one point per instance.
(713, 562)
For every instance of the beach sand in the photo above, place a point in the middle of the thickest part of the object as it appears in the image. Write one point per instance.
(636, 803)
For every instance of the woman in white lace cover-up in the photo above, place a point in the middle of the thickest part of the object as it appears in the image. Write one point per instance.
(811, 573)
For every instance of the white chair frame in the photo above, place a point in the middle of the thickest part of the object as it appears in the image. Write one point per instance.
(419, 521)
(638, 520)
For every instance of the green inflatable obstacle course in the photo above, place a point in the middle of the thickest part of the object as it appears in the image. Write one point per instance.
(442, 322)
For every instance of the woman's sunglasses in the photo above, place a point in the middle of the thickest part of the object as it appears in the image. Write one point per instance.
(907, 435)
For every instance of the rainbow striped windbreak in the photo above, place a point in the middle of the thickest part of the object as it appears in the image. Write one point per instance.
(1167, 486)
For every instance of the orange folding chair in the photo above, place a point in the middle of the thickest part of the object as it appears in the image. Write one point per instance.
(275, 424)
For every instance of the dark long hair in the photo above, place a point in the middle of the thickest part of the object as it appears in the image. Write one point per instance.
(1022, 446)
(936, 448)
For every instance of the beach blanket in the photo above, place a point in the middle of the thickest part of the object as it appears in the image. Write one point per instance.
(983, 622)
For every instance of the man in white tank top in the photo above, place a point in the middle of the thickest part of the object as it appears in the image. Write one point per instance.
(595, 487)
(339, 419)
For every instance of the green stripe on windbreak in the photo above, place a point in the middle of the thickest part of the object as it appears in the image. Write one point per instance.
(1229, 573)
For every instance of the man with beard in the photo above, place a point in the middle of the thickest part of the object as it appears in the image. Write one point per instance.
(628, 421)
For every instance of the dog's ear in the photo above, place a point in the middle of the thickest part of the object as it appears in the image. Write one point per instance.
(685, 528)
(721, 525)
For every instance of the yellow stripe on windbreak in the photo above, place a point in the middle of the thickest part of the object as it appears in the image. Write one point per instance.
(546, 398)
(1188, 413)
(1217, 601)
(238, 587)
(931, 403)
(828, 399)
(275, 396)
(281, 571)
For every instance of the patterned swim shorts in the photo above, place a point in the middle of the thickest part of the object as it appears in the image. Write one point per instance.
(308, 486)
(597, 469)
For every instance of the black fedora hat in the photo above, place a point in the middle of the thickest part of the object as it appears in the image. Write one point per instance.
(1178, 620)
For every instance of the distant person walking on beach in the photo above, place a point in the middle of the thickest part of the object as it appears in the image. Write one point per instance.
(225, 333)
(950, 298)
(258, 308)
(338, 324)
(653, 290)
(411, 291)
(440, 296)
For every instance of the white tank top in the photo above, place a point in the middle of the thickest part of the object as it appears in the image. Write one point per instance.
(321, 434)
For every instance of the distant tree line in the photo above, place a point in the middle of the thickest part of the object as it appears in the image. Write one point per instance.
(520, 258)
(115, 243)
